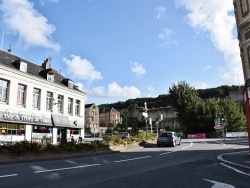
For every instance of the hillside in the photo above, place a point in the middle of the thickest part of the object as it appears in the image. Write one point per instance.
(164, 99)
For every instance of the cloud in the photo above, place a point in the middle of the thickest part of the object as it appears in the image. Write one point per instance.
(165, 36)
(20, 17)
(216, 18)
(115, 91)
(43, 2)
(151, 89)
(82, 69)
(137, 68)
(160, 12)
(208, 67)
(200, 85)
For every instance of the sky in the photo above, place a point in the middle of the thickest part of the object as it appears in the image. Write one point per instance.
(116, 50)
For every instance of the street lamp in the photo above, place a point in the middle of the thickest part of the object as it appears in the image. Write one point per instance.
(246, 97)
(125, 116)
(145, 114)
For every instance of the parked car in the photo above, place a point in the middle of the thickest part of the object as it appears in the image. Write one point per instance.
(107, 134)
(124, 135)
(87, 135)
(168, 138)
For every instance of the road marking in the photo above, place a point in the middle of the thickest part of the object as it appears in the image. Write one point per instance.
(219, 184)
(168, 152)
(219, 142)
(236, 170)
(69, 168)
(191, 143)
(132, 159)
(9, 175)
(220, 157)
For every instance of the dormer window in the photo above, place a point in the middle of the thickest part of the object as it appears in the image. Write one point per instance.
(23, 67)
(50, 77)
(70, 84)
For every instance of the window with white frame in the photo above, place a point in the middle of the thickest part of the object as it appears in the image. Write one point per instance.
(50, 77)
(21, 94)
(60, 103)
(70, 106)
(36, 98)
(77, 108)
(70, 84)
(49, 101)
(23, 67)
(3, 90)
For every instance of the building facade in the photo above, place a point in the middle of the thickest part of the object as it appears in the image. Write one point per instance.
(92, 119)
(37, 103)
(109, 116)
(242, 16)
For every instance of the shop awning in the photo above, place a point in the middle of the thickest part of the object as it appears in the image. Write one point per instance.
(63, 121)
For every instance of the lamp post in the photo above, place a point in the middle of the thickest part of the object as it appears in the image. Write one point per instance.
(246, 97)
(145, 114)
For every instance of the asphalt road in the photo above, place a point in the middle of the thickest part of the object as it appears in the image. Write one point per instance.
(192, 164)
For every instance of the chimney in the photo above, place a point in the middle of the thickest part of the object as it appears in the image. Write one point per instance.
(46, 64)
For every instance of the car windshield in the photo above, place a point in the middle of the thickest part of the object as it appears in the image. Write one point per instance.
(166, 135)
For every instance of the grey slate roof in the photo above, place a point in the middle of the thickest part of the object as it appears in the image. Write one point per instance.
(10, 60)
(89, 105)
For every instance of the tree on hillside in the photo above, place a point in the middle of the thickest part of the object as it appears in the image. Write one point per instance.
(198, 116)
(187, 103)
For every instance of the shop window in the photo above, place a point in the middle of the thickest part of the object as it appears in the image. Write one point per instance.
(74, 132)
(12, 129)
(41, 129)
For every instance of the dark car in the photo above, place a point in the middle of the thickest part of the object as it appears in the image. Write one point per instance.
(87, 135)
(168, 138)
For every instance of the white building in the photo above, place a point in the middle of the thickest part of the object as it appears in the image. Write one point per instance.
(38, 103)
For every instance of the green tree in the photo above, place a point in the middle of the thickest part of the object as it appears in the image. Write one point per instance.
(233, 114)
(188, 105)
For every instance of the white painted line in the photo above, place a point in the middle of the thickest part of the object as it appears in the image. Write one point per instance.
(220, 157)
(132, 159)
(167, 152)
(219, 142)
(236, 170)
(191, 143)
(69, 168)
(9, 175)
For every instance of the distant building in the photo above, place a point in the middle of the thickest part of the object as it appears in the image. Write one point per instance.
(37, 103)
(242, 15)
(108, 116)
(92, 119)
(166, 116)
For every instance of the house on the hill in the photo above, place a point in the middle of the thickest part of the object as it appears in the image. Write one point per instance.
(165, 116)
(108, 116)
